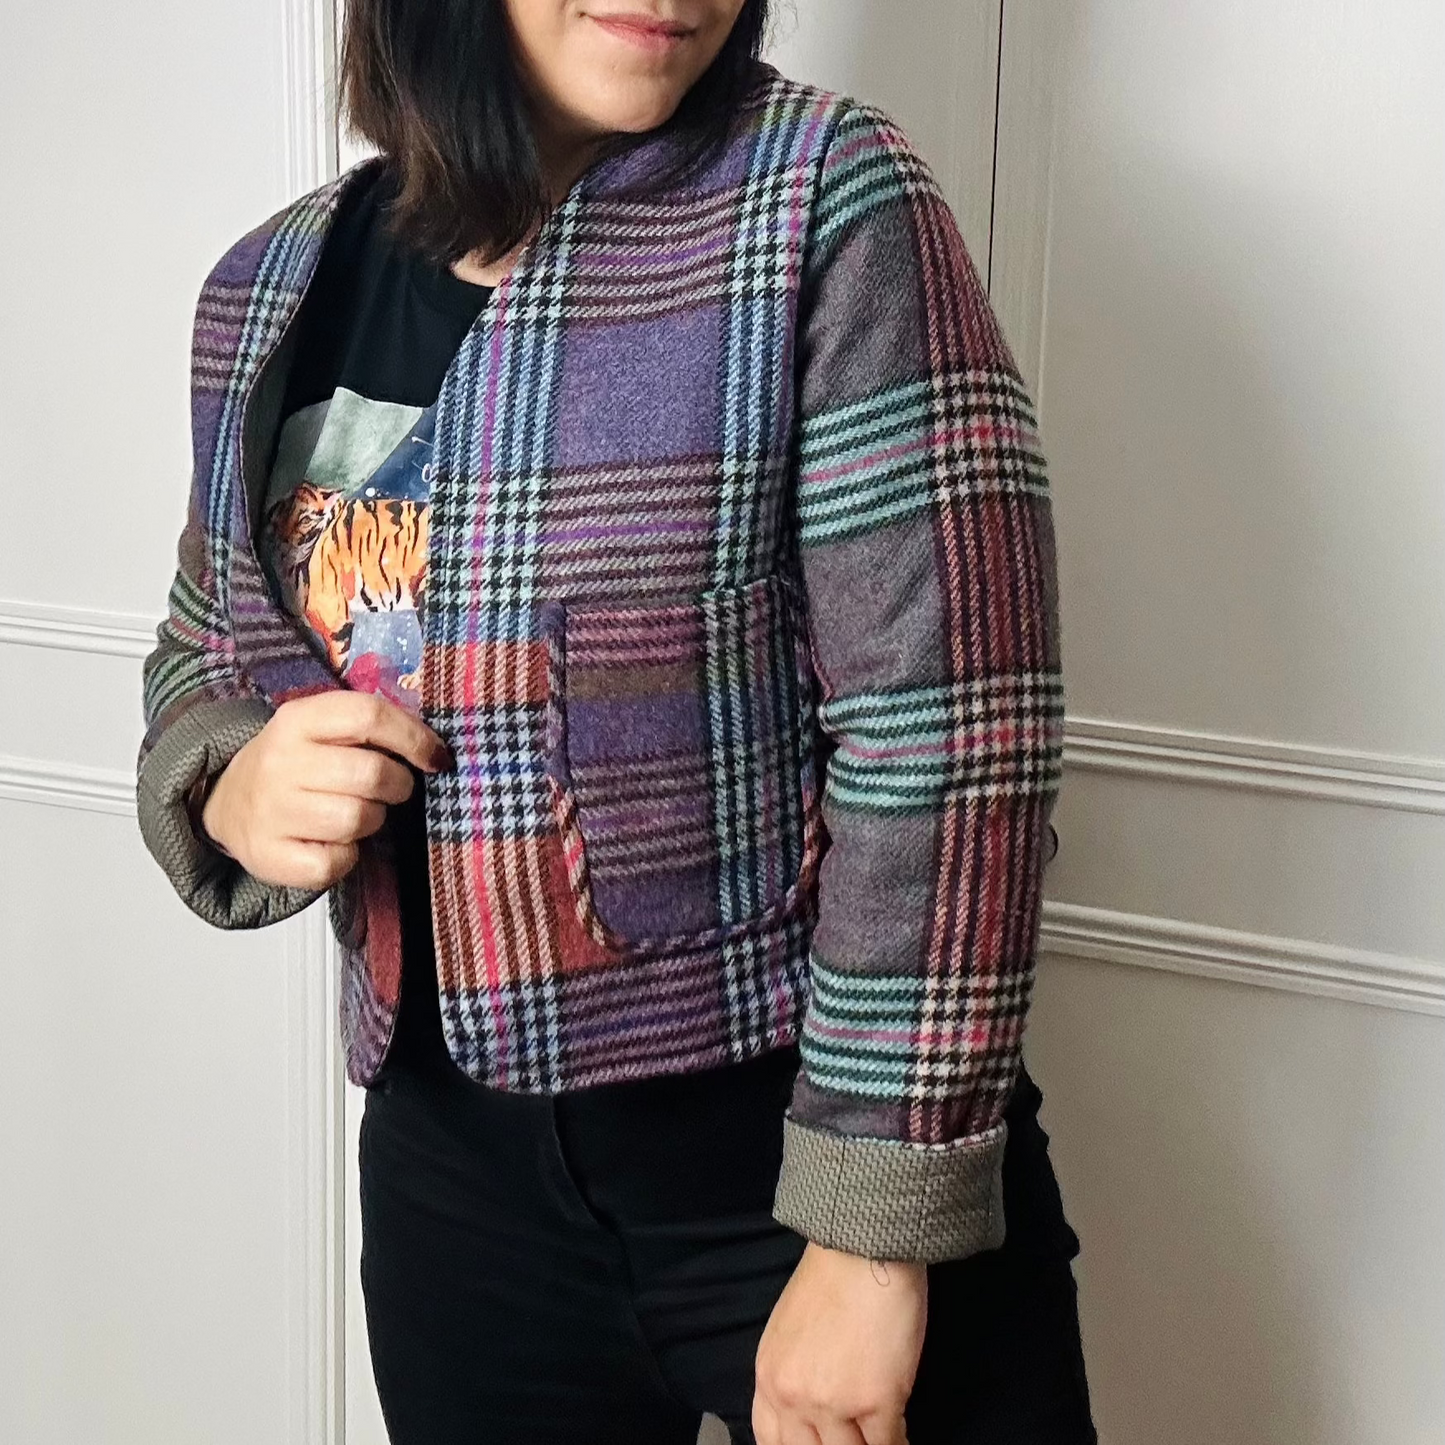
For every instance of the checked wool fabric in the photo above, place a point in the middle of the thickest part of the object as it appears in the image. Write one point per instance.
(742, 627)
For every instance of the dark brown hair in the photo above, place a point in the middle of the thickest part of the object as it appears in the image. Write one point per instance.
(431, 84)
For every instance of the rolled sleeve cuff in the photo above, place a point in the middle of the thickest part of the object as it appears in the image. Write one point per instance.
(886, 1199)
(210, 882)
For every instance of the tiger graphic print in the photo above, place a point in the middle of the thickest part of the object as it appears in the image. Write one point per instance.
(344, 537)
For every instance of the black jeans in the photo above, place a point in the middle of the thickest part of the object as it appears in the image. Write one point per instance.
(597, 1266)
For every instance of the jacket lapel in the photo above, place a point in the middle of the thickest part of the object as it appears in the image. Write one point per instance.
(272, 647)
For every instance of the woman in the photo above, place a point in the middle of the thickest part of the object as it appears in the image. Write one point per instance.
(619, 572)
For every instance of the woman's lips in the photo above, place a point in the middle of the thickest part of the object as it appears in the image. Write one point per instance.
(643, 31)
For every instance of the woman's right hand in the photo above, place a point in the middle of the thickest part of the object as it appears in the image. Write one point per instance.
(292, 804)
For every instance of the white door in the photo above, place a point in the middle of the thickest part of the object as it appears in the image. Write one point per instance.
(1218, 248)
(157, 1135)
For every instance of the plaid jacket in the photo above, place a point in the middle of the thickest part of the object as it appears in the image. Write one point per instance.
(742, 625)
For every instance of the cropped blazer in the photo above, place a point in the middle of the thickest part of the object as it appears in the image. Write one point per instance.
(741, 623)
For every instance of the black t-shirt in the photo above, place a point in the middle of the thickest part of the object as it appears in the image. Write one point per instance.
(345, 517)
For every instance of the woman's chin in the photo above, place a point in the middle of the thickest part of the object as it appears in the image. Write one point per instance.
(636, 110)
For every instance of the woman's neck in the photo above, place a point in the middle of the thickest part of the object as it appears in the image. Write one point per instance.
(564, 154)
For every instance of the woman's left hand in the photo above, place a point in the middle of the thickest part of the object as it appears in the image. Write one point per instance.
(836, 1362)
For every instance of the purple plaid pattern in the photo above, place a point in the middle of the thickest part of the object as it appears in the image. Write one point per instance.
(670, 728)
(741, 625)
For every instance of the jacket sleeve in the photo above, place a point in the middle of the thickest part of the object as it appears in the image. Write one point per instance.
(927, 556)
(199, 708)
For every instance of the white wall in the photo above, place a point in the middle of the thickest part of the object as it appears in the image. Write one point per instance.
(931, 63)
(1217, 245)
(160, 1279)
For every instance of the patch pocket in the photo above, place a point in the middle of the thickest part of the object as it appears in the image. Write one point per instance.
(680, 762)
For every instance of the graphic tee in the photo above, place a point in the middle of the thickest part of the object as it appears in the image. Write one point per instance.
(343, 537)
